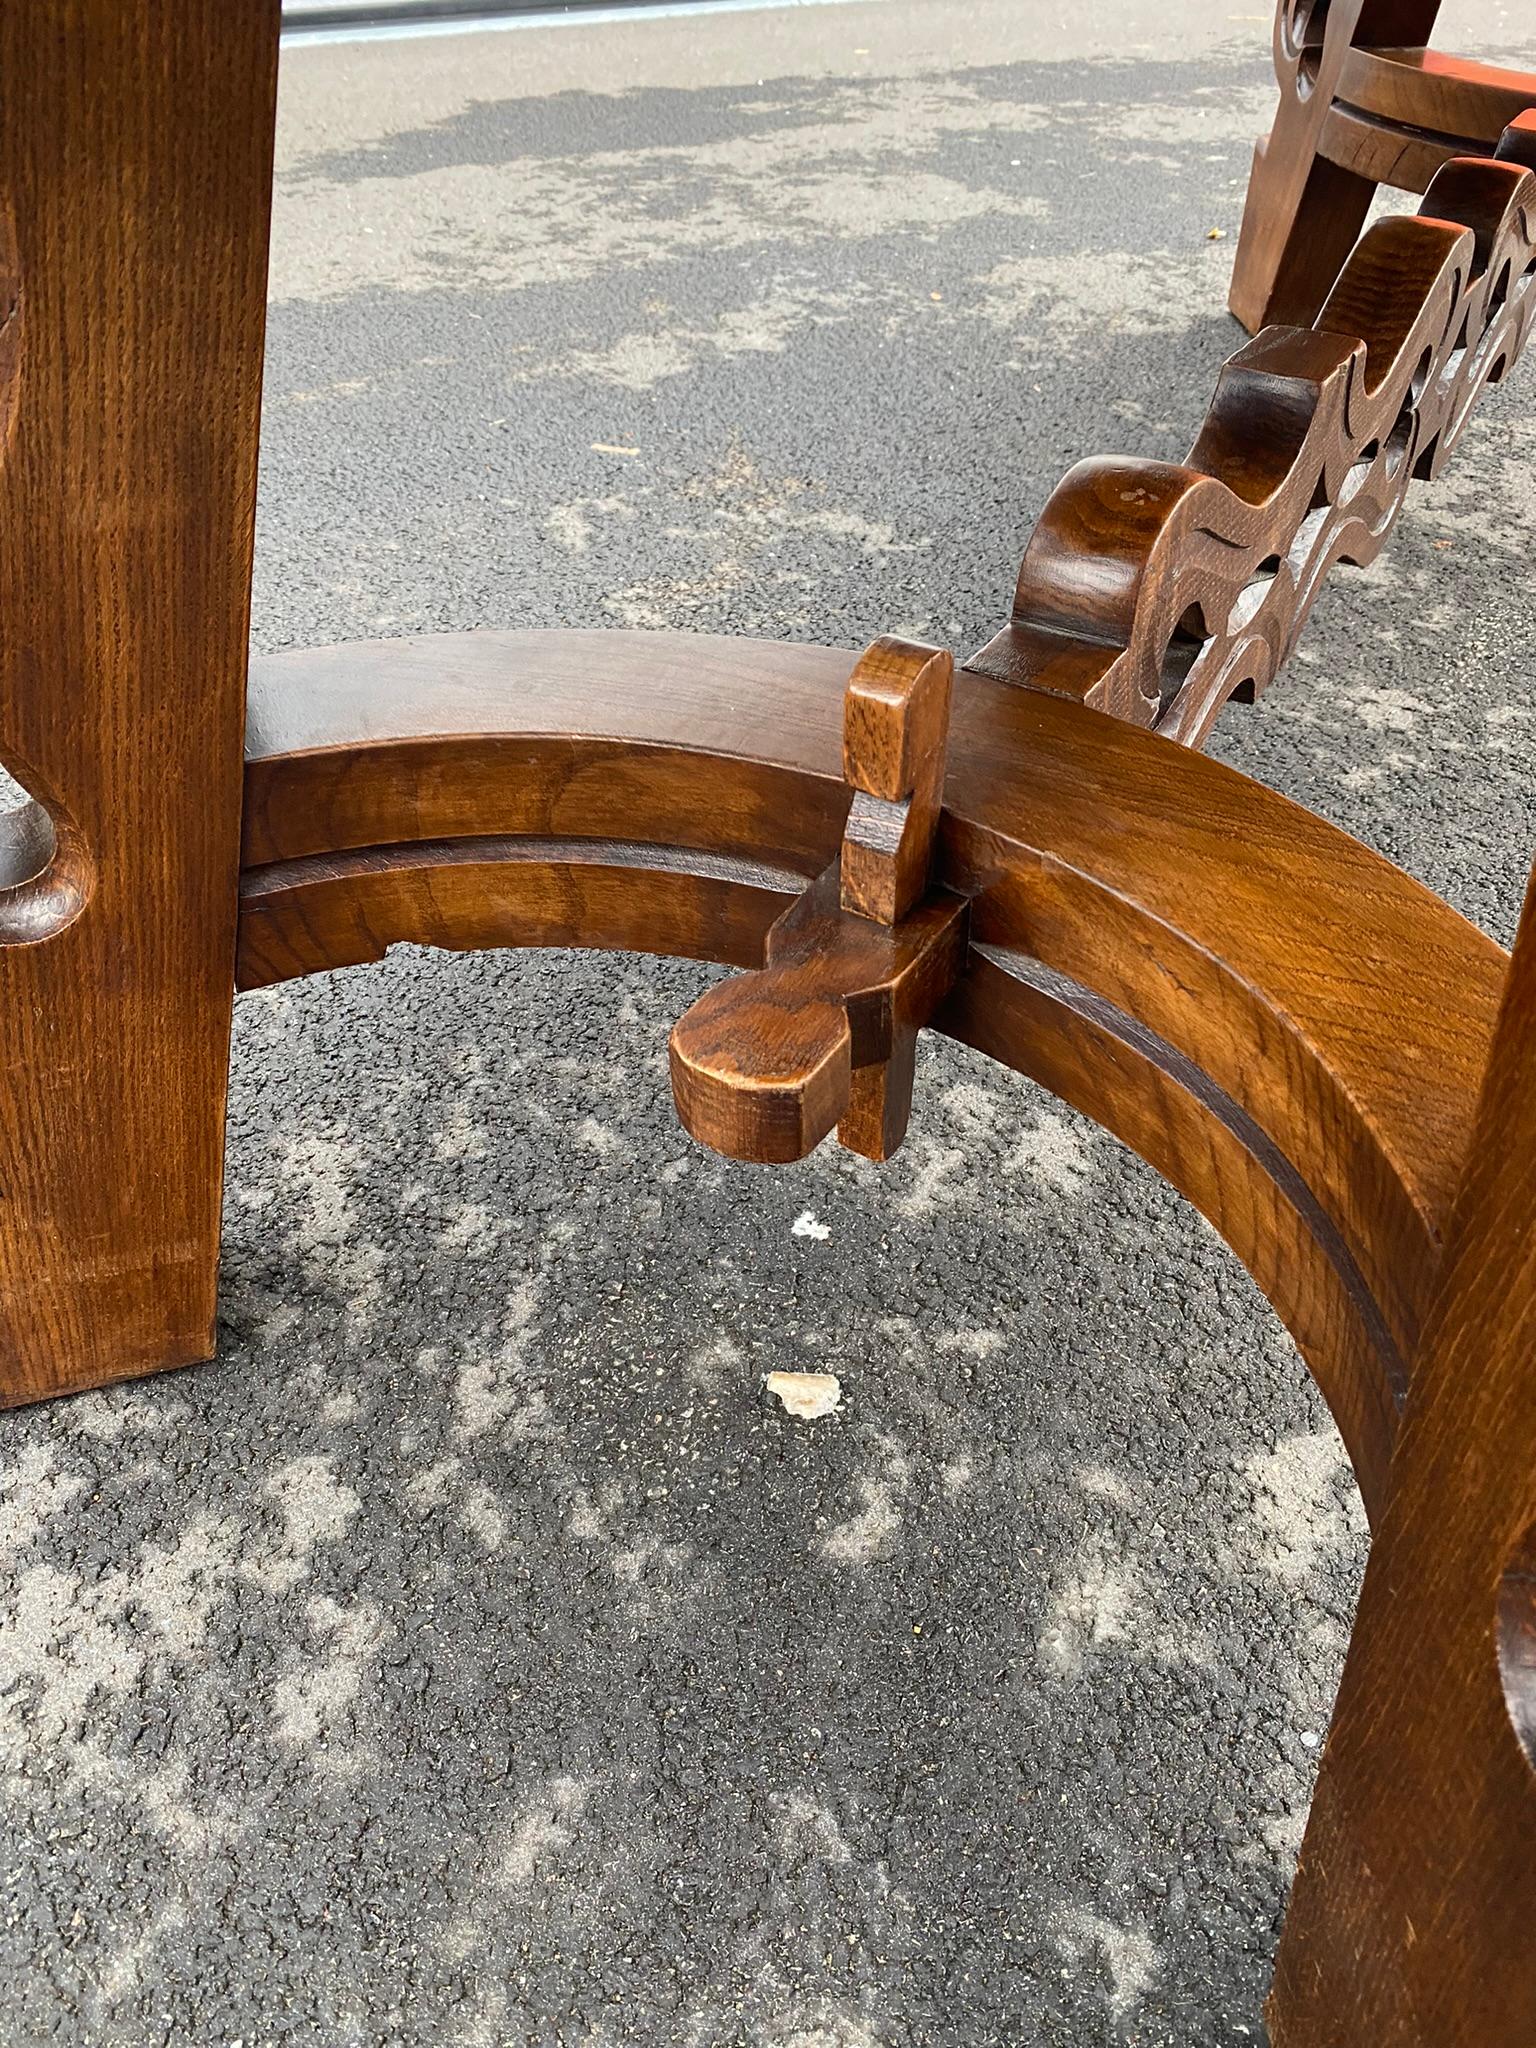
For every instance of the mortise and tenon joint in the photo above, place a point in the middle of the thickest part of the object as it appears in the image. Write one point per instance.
(824, 1034)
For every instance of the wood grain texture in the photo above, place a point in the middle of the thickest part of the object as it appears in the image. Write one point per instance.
(546, 735)
(1465, 104)
(895, 741)
(1341, 1011)
(1363, 103)
(10, 322)
(135, 164)
(1317, 1052)
(1413, 1921)
(1164, 1106)
(1517, 145)
(1303, 211)
(764, 1065)
(1158, 591)
(1402, 115)
(825, 1033)
(1293, 1032)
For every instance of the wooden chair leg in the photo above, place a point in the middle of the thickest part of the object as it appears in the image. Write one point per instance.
(135, 172)
(1302, 219)
(1304, 214)
(1413, 1921)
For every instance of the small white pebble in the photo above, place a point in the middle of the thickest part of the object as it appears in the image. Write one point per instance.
(806, 1394)
(805, 1225)
(1309, 1740)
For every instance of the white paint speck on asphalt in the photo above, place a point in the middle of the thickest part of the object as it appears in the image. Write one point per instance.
(809, 1395)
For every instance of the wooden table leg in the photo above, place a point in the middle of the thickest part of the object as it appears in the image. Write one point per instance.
(1413, 1921)
(135, 182)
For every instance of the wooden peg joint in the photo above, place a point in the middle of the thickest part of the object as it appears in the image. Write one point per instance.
(824, 1034)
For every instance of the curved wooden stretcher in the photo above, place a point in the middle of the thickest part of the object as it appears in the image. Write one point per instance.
(1332, 1065)
(1287, 1026)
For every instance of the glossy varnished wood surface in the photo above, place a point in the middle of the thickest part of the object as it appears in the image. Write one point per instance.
(765, 1065)
(1157, 591)
(135, 162)
(1451, 97)
(1363, 103)
(824, 1034)
(1282, 963)
(1402, 115)
(1413, 1921)
(1293, 1032)
(1304, 211)
(450, 734)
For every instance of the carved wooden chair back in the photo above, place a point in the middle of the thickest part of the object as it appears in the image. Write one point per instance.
(1363, 103)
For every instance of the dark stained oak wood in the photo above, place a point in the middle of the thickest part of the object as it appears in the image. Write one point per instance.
(1517, 145)
(1303, 210)
(546, 735)
(1158, 591)
(1413, 1922)
(1286, 967)
(895, 742)
(1293, 1032)
(825, 1033)
(1315, 1050)
(10, 323)
(135, 165)
(895, 754)
(1391, 149)
(1363, 104)
(765, 1065)
(1466, 105)
(1150, 592)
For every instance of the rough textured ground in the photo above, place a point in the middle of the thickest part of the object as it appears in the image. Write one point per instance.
(468, 1656)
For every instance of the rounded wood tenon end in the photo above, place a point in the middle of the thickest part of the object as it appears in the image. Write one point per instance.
(763, 1065)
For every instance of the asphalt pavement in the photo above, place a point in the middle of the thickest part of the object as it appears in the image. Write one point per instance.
(471, 1657)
